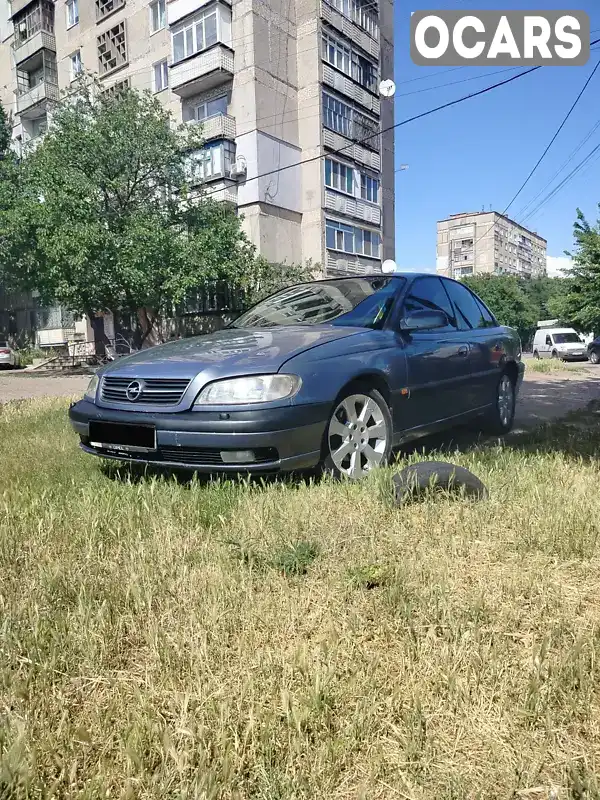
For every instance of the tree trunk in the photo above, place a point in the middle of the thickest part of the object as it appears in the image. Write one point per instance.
(148, 319)
(100, 340)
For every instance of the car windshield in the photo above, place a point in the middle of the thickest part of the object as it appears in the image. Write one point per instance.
(566, 338)
(3, 344)
(353, 302)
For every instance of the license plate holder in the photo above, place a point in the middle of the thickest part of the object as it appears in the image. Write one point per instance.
(122, 436)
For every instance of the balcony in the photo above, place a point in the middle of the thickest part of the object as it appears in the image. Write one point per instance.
(342, 264)
(335, 141)
(202, 71)
(39, 95)
(220, 127)
(342, 84)
(352, 207)
(24, 49)
(350, 29)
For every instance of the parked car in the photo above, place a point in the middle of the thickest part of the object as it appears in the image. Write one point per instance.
(9, 357)
(563, 343)
(593, 351)
(331, 373)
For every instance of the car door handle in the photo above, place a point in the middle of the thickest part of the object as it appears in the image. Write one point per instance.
(463, 351)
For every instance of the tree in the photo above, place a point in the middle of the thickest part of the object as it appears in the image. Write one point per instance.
(8, 193)
(106, 219)
(505, 296)
(579, 305)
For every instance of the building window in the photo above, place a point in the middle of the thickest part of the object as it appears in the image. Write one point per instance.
(342, 57)
(211, 108)
(339, 176)
(337, 115)
(72, 13)
(359, 11)
(369, 189)
(196, 35)
(117, 89)
(75, 64)
(39, 127)
(38, 17)
(337, 54)
(112, 49)
(160, 76)
(347, 121)
(157, 15)
(213, 161)
(350, 239)
(106, 7)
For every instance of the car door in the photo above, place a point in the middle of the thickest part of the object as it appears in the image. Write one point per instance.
(437, 361)
(547, 349)
(487, 345)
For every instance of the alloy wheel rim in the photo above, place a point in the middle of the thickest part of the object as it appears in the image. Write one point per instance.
(505, 400)
(357, 436)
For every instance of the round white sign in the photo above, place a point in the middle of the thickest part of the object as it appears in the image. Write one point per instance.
(389, 265)
(387, 87)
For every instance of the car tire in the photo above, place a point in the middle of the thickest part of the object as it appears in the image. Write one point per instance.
(351, 449)
(594, 357)
(536, 355)
(417, 479)
(555, 355)
(499, 419)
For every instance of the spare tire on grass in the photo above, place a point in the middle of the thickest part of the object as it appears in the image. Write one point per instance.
(417, 479)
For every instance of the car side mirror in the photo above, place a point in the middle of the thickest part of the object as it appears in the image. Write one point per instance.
(423, 321)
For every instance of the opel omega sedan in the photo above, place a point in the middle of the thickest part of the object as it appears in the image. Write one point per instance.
(330, 374)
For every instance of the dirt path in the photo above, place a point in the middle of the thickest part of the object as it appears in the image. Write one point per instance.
(543, 397)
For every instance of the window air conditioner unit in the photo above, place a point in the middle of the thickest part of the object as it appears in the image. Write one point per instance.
(239, 169)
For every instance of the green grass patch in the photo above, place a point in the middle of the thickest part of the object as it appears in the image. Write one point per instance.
(238, 640)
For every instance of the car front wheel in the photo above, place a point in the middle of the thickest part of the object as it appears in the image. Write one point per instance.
(358, 438)
(499, 419)
(594, 357)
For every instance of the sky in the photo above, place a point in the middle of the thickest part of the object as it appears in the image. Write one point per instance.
(477, 154)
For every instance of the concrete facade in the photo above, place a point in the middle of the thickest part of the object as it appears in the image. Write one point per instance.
(279, 86)
(488, 243)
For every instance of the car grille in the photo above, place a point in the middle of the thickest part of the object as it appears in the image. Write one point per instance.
(196, 456)
(155, 391)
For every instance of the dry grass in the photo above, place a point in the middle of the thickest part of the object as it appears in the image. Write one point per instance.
(248, 642)
(549, 365)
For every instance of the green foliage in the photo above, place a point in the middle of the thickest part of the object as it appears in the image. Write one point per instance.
(4, 132)
(507, 299)
(265, 278)
(579, 304)
(518, 302)
(106, 218)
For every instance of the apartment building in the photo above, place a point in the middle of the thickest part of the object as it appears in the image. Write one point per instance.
(488, 242)
(274, 83)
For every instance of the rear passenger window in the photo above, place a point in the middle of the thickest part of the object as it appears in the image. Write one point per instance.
(469, 314)
(427, 294)
(486, 314)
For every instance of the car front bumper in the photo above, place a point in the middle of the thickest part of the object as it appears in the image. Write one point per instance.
(283, 439)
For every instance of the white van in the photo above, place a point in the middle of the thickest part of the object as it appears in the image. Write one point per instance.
(563, 343)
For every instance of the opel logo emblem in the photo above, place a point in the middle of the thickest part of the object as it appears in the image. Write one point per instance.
(134, 391)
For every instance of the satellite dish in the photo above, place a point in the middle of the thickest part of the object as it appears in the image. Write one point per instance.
(388, 266)
(387, 88)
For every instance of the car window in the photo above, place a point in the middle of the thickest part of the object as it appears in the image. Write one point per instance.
(355, 302)
(3, 344)
(486, 314)
(548, 341)
(566, 338)
(468, 311)
(427, 294)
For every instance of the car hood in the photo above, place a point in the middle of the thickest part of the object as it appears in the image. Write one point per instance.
(572, 346)
(227, 352)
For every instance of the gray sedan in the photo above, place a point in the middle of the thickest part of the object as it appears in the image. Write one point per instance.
(331, 374)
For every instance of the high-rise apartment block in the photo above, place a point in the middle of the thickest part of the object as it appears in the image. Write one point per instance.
(280, 87)
(488, 242)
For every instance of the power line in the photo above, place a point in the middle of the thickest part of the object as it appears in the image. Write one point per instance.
(485, 233)
(564, 182)
(422, 115)
(554, 138)
(560, 169)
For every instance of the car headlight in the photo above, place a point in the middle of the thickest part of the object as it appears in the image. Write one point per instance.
(90, 392)
(251, 389)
